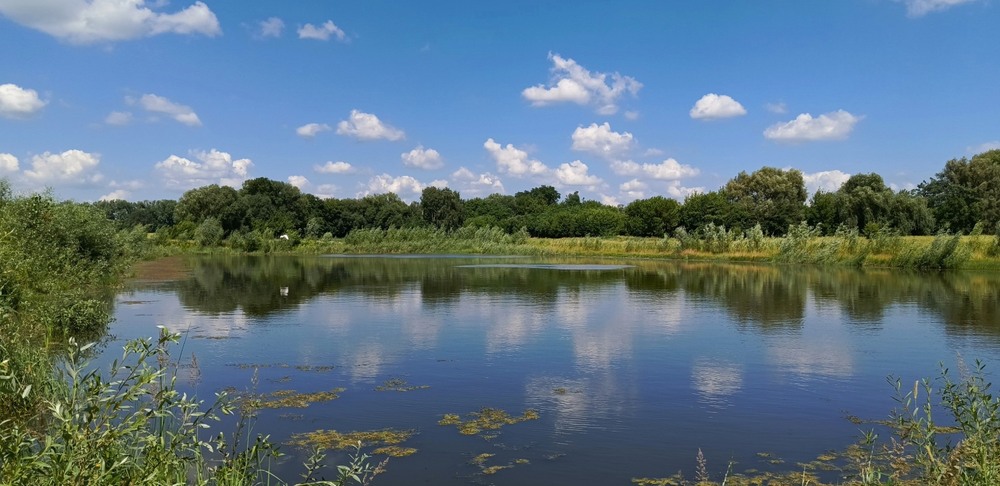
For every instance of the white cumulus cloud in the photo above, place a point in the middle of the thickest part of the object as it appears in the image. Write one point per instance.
(310, 130)
(158, 104)
(212, 167)
(406, 187)
(576, 173)
(669, 169)
(331, 167)
(272, 27)
(836, 125)
(827, 180)
(609, 200)
(714, 106)
(676, 191)
(422, 158)
(600, 140)
(322, 32)
(90, 21)
(366, 126)
(298, 181)
(71, 165)
(18, 102)
(115, 195)
(476, 185)
(514, 161)
(919, 8)
(8, 164)
(634, 189)
(572, 83)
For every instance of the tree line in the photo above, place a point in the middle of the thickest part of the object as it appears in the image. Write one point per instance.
(964, 197)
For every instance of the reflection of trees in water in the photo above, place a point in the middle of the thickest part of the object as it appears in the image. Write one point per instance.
(261, 285)
(257, 285)
(969, 305)
(766, 297)
(772, 297)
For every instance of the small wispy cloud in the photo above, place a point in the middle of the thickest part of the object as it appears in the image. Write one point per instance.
(322, 32)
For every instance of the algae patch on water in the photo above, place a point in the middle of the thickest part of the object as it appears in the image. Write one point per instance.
(291, 398)
(394, 451)
(480, 462)
(399, 385)
(486, 419)
(332, 439)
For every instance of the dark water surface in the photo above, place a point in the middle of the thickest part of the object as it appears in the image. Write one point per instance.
(632, 366)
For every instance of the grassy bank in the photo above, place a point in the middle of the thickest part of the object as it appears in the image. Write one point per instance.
(802, 245)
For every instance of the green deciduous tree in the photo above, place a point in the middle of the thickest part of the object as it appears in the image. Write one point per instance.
(965, 192)
(774, 198)
(384, 211)
(704, 208)
(442, 208)
(213, 200)
(655, 216)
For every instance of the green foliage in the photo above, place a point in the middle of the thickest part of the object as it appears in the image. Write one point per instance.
(945, 251)
(994, 249)
(151, 214)
(442, 208)
(772, 197)
(965, 192)
(754, 238)
(57, 261)
(965, 453)
(315, 227)
(883, 239)
(132, 426)
(794, 246)
(588, 219)
(703, 208)
(59, 256)
(467, 239)
(544, 195)
(212, 200)
(715, 239)
(384, 211)
(209, 232)
(655, 216)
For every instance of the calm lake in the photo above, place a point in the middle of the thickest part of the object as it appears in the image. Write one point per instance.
(632, 366)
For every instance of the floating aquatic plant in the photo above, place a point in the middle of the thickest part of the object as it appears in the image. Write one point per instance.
(291, 398)
(486, 419)
(332, 439)
(399, 385)
(480, 462)
(394, 451)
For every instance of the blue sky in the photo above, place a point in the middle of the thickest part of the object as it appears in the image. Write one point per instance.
(139, 99)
